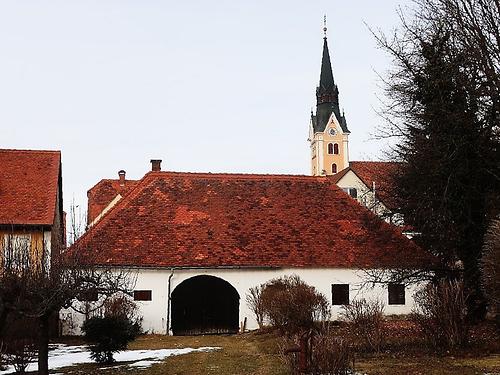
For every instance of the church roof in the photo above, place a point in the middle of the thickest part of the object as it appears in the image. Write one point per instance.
(29, 183)
(234, 220)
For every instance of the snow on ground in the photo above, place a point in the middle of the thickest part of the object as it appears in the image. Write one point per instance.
(61, 355)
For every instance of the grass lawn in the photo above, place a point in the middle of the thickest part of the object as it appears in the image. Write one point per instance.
(254, 353)
(240, 354)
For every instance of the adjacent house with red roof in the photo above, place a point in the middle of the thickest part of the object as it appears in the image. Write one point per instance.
(200, 241)
(370, 183)
(31, 207)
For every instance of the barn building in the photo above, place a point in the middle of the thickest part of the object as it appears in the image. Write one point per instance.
(199, 241)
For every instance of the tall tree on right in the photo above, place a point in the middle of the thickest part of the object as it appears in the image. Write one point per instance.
(443, 108)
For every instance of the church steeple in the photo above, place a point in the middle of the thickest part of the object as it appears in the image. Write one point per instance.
(327, 91)
(328, 134)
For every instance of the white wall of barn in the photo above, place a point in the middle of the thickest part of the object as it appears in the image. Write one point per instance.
(154, 312)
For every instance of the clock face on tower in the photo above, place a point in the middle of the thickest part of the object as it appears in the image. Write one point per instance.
(332, 131)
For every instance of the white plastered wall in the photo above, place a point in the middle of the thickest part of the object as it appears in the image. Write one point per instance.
(155, 312)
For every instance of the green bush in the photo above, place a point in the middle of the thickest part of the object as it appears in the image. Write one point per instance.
(108, 335)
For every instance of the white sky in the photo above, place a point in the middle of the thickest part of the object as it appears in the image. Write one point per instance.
(219, 86)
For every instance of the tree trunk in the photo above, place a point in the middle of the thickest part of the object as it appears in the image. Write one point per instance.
(3, 318)
(43, 345)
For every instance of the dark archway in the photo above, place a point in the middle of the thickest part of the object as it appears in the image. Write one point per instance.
(205, 305)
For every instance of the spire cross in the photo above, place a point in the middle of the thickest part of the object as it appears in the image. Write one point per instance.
(324, 25)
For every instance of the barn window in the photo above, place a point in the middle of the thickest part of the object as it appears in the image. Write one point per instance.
(396, 294)
(331, 148)
(340, 294)
(336, 148)
(142, 295)
(89, 296)
(334, 168)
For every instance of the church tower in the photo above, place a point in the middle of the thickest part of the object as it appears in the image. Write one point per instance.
(328, 132)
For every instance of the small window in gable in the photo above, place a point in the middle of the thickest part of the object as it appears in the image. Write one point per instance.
(336, 148)
(396, 294)
(353, 192)
(340, 294)
(330, 148)
(334, 168)
(142, 295)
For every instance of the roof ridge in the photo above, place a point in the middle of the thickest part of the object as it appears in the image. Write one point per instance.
(235, 175)
(30, 151)
(373, 161)
(112, 180)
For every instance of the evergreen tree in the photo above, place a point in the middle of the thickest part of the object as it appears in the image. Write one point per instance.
(444, 109)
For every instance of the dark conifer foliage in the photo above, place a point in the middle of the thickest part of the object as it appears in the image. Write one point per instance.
(444, 109)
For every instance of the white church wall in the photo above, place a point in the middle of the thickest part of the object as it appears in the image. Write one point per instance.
(154, 312)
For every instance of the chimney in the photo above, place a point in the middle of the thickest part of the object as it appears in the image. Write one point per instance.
(156, 165)
(121, 175)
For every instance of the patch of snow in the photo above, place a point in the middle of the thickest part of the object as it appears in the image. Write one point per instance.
(64, 356)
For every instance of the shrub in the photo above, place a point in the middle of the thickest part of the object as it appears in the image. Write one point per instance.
(2, 356)
(18, 347)
(440, 312)
(366, 320)
(255, 303)
(317, 353)
(108, 335)
(331, 355)
(293, 306)
(112, 332)
(21, 351)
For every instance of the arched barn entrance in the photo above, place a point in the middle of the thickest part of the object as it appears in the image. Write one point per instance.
(204, 305)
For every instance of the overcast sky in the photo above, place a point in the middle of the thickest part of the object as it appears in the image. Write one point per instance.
(209, 86)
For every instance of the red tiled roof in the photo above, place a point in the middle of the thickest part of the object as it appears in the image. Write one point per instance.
(380, 172)
(101, 195)
(29, 182)
(214, 220)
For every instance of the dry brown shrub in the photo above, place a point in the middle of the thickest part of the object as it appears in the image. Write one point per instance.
(292, 306)
(326, 353)
(366, 322)
(331, 355)
(440, 312)
(255, 303)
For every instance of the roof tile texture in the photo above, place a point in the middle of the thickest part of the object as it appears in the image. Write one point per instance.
(212, 220)
(380, 172)
(28, 186)
(101, 195)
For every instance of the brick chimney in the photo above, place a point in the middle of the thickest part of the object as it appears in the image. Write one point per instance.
(156, 165)
(121, 175)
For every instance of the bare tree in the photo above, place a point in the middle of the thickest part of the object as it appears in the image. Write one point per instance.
(36, 281)
(490, 267)
(77, 222)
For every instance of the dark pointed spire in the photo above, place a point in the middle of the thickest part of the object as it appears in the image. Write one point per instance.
(327, 93)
